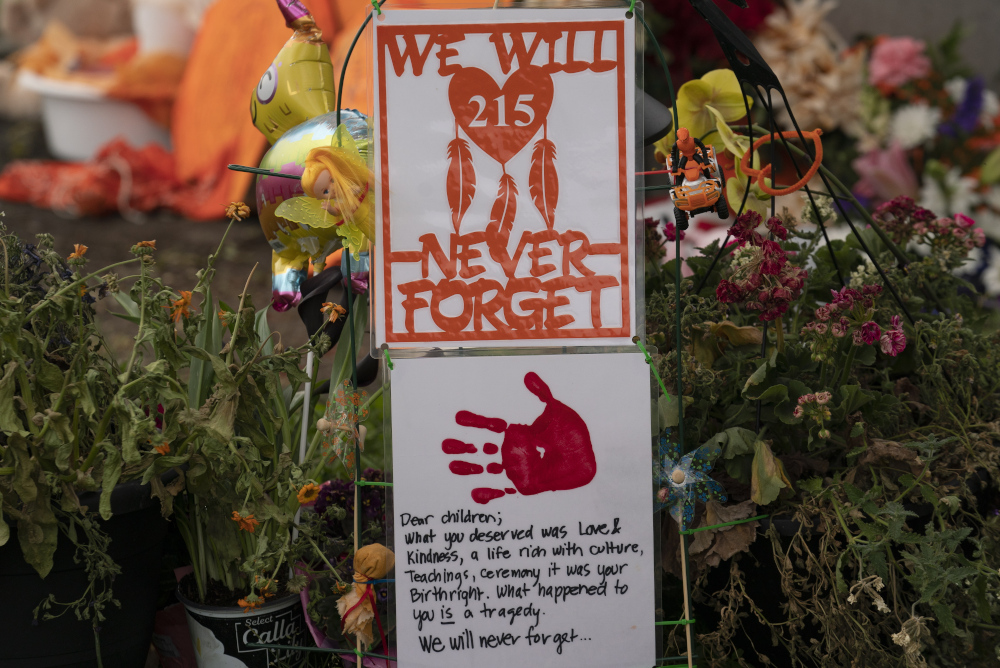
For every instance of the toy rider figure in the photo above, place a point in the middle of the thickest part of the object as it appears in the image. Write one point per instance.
(691, 149)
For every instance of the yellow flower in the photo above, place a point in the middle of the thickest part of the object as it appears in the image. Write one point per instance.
(163, 449)
(718, 91)
(307, 495)
(147, 244)
(79, 250)
(757, 200)
(180, 307)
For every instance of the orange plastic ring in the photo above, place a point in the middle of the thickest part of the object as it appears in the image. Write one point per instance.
(762, 174)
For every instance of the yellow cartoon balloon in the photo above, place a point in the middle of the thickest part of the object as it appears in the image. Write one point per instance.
(293, 106)
(299, 83)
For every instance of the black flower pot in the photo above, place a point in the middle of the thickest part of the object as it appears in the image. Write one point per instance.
(137, 531)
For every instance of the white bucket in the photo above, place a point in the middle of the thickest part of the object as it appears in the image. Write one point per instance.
(162, 26)
(79, 119)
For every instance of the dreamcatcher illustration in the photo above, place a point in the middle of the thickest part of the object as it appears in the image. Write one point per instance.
(501, 120)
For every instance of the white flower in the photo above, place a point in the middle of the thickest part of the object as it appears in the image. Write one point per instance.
(957, 196)
(864, 274)
(972, 260)
(991, 107)
(914, 124)
(956, 88)
(991, 277)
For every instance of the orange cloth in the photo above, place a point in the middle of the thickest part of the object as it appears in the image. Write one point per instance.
(211, 123)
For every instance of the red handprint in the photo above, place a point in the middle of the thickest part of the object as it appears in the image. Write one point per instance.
(552, 453)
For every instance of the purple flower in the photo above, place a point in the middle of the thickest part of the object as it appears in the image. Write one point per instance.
(966, 116)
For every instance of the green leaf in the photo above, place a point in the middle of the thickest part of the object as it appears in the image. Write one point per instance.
(48, 375)
(38, 534)
(4, 529)
(762, 378)
(774, 394)
(990, 173)
(112, 472)
(667, 408)
(25, 467)
(768, 476)
(944, 617)
(865, 355)
(127, 303)
(9, 421)
(979, 587)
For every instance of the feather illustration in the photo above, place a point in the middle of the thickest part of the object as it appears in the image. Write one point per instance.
(543, 181)
(461, 180)
(502, 218)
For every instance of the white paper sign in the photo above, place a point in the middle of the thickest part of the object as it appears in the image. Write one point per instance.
(523, 511)
(505, 178)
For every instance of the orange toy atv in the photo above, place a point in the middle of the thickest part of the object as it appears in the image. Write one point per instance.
(696, 180)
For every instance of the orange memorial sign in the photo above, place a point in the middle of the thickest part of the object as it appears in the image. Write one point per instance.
(504, 159)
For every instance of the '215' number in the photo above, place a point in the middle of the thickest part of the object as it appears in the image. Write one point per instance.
(521, 106)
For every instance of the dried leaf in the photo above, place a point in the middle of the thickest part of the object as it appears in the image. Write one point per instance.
(768, 477)
(738, 336)
(714, 546)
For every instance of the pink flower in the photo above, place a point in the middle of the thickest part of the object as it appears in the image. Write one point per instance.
(806, 398)
(823, 398)
(797, 412)
(777, 229)
(897, 322)
(893, 341)
(978, 237)
(670, 231)
(870, 331)
(963, 220)
(728, 292)
(896, 61)
(771, 266)
(885, 174)
(823, 313)
(859, 338)
(838, 330)
(821, 328)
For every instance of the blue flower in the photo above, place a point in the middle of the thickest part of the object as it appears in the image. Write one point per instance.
(683, 480)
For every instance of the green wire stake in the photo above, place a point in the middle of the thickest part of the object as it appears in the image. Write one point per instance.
(724, 524)
(649, 361)
(378, 7)
(675, 623)
(388, 360)
(631, 10)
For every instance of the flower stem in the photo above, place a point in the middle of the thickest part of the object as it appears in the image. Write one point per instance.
(845, 372)
(142, 322)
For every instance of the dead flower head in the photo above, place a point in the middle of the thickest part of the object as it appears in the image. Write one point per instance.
(334, 311)
(251, 602)
(870, 585)
(180, 308)
(144, 248)
(246, 522)
(237, 211)
(76, 257)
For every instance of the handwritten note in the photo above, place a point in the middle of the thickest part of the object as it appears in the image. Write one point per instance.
(505, 182)
(523, 534)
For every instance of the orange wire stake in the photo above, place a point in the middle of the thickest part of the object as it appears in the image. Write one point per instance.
(763, 174)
